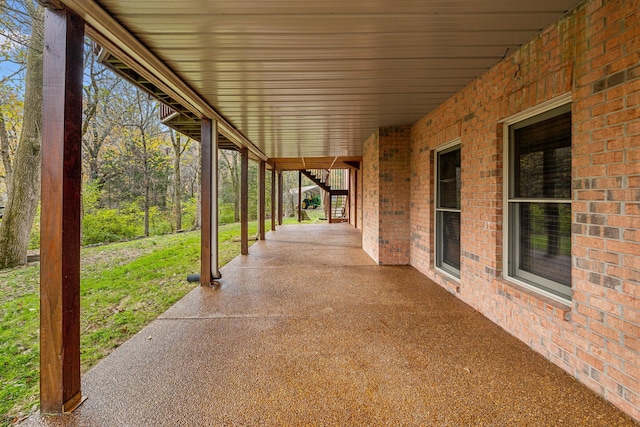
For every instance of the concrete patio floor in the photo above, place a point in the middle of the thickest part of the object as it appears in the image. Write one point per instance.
(308, 330)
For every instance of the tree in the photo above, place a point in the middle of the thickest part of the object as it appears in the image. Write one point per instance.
(136, 163)
(24, 188)
(229, 173)
(102, 111)
(11, 107)
(5, 151)
(178, 149)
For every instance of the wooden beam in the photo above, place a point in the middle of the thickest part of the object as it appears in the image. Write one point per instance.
(280, 198)
(261, 199)
(209, 267)
(273, 198)
(244, 201)
(60, 213)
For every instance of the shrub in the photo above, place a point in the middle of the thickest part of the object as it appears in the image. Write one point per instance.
(159, 221)
(188, 213)
(226, 213)
(109, 225)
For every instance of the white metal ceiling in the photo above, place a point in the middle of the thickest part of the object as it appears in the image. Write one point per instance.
(306, 78)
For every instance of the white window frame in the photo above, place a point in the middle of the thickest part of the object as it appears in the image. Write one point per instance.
(530, 280)
(437, 254)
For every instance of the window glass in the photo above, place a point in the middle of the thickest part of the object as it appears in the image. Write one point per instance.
(448, 186)
(539, 243)
(449, 179)
(545, 240)
(542, 164)
(450, 235)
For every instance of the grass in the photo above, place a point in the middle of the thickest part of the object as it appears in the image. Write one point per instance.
(123, 287)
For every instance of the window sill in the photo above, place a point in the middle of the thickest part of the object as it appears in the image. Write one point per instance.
(512, 289)
(451, 283)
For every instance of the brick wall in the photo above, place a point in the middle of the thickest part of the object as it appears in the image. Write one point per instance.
(386, 193)
(593, 53)
(394, 146)
(370, 191)
(355, 198)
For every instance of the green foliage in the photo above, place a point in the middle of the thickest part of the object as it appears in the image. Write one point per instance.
(159, 221)
(109, 225)
(34, 236)
(226, 213)
(127, 165)
(188, 213)
(91, 194)
(19, 343)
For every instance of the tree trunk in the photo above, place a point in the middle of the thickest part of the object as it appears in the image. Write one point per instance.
(236, 186)
(235, 182)
(178, 149)
(5, 150)
(147, 201)
(177, 193)
(197, 222)
(22, 202)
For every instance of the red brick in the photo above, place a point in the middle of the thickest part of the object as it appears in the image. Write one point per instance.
(606, 175)
(632, 343)
(615, 349)
(605, 331)
(622, 326)
(624, 379)
(627, 221)
(621, 143)
(631, 261)
(608, 133)
(623, 169)
(590, 359)
(608, 157)
(623, 247)
(605, 306)
(627, 299)
(632, 316)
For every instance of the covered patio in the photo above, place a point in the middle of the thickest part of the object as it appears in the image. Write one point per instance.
(430, 107)
(315, 333)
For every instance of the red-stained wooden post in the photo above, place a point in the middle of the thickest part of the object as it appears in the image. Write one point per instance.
(355, 197)
(209, 202)
(244, 201)
(273, 198)
(60, 213)
(299, 196)
(349, 194)
(280, 198)
(261, 199)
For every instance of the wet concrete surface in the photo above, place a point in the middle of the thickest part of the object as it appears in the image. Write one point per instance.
(308, 330)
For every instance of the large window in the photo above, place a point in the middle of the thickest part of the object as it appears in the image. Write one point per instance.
(447, 221)
(539, 201)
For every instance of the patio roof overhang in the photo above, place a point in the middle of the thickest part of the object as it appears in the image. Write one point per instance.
(300, 85)
(296, 80)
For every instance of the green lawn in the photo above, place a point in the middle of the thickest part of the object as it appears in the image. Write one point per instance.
(123, 287)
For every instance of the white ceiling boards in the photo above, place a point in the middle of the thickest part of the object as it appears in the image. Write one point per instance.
(315, 78)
